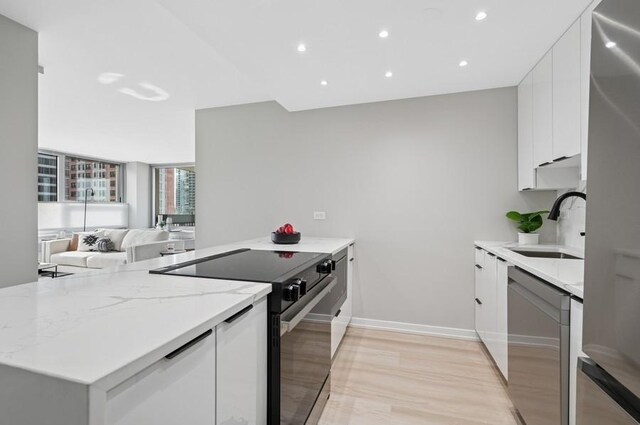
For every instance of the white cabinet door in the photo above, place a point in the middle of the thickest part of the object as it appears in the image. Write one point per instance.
(340, 323)
(181, 390)
(490, 303)
(479, 305)
(480, 293)
(575, 351)
(242, 368)
(585, 82)
(566, 94)
(502, 281)
(543, 111)
(526, 168)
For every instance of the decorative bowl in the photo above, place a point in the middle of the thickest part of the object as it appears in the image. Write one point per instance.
(284, 239)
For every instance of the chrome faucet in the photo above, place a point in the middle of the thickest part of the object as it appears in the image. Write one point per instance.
(555, 209)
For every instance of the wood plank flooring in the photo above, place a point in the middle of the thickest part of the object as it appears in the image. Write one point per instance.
(391, 378)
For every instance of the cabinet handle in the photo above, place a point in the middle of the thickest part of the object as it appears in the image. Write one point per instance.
(502, 259)
(351, 259)
(491, 255)
(236, 316)
(478, 302)
(478, 267)
(526, 188)
(191, 343)
(338, 313)
(478, 248)
(562, 158)
(545, 164)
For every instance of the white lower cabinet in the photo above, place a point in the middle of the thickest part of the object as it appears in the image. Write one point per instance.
(575, 351)
(491, 305)
(181, 390)
(500, 353)
(219, 377)
(340, 323)
(241, 368)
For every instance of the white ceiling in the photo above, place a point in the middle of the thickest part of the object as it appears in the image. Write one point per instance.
(205, 53)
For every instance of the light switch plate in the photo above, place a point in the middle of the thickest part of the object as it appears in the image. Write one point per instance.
(319, 215)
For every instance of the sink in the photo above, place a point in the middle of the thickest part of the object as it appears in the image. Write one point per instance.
(546, 254)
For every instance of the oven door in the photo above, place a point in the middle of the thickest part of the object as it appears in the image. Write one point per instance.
(305, 358)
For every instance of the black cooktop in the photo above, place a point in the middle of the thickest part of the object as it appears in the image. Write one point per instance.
(245, 264)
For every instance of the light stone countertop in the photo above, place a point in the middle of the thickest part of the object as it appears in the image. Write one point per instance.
(102, 326)
(566, 274)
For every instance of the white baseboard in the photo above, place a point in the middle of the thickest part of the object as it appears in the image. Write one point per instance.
(410, 328)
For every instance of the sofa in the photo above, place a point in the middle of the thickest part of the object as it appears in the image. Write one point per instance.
(130, 245)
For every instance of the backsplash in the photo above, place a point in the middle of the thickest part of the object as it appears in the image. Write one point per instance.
(572, 220)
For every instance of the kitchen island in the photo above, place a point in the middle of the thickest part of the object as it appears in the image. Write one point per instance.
(121, 346)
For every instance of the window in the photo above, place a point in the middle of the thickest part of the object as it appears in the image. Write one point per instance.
(92, 178)
(175, 193)
(66, 178)
(47, 178)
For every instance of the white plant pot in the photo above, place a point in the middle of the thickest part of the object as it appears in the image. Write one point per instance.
(528, 238)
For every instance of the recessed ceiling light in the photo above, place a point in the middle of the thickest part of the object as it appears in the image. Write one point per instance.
(302, 47)
(610, 44)
(383, 34)
(481, 16)
(388, 74)
(323, 83)
(463, 63)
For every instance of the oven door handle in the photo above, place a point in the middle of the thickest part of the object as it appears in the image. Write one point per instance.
(289, 324)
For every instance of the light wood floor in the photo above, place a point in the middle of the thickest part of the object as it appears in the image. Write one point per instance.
(392, 378)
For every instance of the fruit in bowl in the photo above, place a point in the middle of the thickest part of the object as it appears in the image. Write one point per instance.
(285, 234)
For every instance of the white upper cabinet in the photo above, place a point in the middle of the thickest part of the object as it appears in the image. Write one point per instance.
(526, 169)
(585, 81)
(553, 112)
(543, 111)
(566, 95)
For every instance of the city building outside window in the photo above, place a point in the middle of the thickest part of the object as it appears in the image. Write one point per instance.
(175, 193)
(47, 178)
(76, 186)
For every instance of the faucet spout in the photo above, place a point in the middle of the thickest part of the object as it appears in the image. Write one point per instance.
(555, 209)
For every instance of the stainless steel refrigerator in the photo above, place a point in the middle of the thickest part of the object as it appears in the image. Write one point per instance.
(609, 381)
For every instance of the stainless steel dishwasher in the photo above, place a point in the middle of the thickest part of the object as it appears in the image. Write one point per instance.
(538, 349)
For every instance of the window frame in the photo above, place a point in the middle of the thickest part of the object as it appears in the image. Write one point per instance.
(61, 186)
(154, 183)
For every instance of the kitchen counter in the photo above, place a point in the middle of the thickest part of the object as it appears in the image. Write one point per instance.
(566, 274)
(102, 326)
(98, 327)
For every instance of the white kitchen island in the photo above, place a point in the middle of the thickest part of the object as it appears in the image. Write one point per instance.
(121, 346)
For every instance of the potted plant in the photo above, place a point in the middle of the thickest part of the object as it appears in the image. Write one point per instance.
(528, 223)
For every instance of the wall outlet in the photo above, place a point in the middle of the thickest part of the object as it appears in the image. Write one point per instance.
(319, 215)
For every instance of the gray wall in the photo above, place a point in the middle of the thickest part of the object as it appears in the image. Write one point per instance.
(416, 181)
(138, 194)
(18, 158)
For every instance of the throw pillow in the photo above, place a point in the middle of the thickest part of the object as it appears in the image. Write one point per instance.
(73, 245)
(116, 236)
(87, 241)
(105, 245)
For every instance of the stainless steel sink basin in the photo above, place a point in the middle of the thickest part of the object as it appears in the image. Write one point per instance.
(546, 254)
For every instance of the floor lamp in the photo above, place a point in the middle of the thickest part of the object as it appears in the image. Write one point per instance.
(87, 193)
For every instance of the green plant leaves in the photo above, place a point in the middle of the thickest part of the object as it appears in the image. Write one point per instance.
(527, 222)
(514, 215)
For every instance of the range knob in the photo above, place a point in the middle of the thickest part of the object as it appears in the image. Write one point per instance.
(325, 267)
(302, 284)
(291, 292)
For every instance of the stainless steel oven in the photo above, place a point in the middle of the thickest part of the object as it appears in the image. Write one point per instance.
(305, 358)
